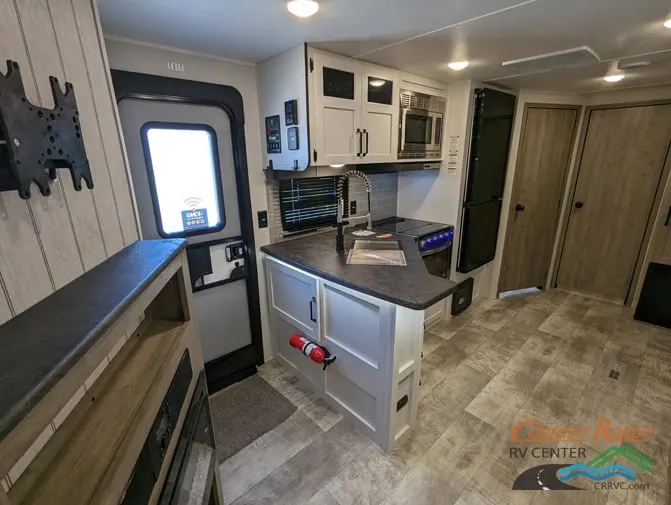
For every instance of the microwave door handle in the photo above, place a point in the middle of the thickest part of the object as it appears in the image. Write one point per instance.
(401, 125)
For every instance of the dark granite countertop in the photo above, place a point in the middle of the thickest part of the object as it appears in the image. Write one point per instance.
(40, 345)
(411, 286)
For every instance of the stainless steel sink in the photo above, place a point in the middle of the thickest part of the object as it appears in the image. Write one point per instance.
(376, 252)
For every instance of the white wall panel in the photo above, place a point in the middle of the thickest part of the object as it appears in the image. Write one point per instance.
(46, 242)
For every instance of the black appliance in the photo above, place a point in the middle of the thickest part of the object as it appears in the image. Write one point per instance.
(463, 296)
(434, 241)
(653, 306)
(421, 125)
(493, 117)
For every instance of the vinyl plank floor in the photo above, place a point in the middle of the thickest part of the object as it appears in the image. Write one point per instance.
(267, 453)
(543, 356)
(309, 470)
(368, 480)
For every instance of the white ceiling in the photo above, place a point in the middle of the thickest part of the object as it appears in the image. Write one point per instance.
(419, 36)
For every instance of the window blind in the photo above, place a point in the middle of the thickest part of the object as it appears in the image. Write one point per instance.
(310, 203)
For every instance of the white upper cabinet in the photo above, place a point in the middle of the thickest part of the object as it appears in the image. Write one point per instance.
(346, 112)
(356, 110)
(336, 129)
(380, 114)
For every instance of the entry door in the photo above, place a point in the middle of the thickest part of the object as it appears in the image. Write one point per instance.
(620, 171)
(182, 166)
(545, 152)
(337, 92)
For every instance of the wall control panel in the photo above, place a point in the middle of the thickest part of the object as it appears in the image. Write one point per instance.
(273, 134)
(291, 112)
(292, 138)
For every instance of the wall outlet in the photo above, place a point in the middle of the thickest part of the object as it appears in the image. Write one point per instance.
(262, 216)
(352, 208)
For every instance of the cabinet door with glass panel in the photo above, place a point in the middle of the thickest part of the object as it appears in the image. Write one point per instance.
(380, 112)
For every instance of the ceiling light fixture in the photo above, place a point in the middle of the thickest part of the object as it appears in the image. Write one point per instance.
(376, 83)
(667, 23)
(337, 166)
(303, 8)
(457, 65)
(614, 78)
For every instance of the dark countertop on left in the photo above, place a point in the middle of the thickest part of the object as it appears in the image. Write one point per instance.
(40, 345)
(411, 286)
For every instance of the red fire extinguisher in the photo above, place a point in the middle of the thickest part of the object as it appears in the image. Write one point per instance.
(314, 351)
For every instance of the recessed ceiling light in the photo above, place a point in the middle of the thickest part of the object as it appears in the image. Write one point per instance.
(667, 23)
(303, 8)
(376, 83)
(337, 166)
(457, 65)
(614, 78)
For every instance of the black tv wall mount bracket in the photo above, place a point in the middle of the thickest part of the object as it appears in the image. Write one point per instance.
(37, 141)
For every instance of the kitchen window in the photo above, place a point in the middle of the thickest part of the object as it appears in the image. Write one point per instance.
(184, 178)
(310, 203)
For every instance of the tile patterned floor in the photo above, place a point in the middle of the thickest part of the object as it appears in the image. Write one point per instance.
(538, 356)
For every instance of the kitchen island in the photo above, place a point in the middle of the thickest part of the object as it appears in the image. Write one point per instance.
(370, 317)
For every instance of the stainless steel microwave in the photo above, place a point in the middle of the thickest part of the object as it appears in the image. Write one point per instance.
(421, 125)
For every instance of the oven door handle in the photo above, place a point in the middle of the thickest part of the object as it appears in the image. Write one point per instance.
(436, 251)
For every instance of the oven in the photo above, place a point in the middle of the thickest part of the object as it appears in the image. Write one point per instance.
(436, 250)
(421, 125)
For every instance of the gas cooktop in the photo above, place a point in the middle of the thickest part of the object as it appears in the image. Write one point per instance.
(410, 227)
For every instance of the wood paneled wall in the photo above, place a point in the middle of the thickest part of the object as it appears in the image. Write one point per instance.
(46, 242)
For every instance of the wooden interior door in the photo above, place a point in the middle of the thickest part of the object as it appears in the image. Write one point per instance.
(619, 175)
(545, 152)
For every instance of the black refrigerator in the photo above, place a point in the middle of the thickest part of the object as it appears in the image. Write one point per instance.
(493, 116)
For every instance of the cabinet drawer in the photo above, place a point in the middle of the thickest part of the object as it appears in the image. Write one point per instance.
(292, 296)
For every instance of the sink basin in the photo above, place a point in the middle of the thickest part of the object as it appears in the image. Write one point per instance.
(376, 252)
(377, 245)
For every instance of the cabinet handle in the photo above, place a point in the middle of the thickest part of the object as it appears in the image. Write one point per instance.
(358, 132)
(668, 217)
(366, 151)
(313, 307)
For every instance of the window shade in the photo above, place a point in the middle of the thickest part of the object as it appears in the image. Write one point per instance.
(310, 203)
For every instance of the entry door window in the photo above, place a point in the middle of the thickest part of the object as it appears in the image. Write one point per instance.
(183, 167)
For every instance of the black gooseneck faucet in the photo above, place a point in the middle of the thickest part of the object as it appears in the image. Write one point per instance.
(340, 238)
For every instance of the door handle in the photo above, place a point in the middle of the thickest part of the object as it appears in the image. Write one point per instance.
(366, 133)
(579, 205)
(360, 136)
(668, 217)
(519, 207)
(313, 309)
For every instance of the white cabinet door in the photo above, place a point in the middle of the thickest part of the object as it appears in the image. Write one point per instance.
(337, 109)
(358, 329)
(380, 114)
(292, 296)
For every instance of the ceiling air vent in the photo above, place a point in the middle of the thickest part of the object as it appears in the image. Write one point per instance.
(577, 57)
(631, 65)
